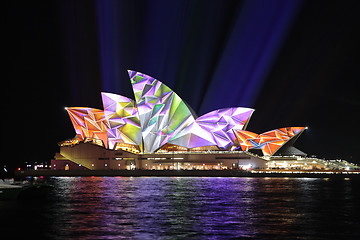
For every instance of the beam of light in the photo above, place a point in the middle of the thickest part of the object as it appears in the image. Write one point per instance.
(109, 41)
(134, 35)
(223, 50)
(260, 29)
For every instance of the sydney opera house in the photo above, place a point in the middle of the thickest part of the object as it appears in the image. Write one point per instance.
(158, 130)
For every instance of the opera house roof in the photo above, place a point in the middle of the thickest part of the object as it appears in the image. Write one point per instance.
(158, 117)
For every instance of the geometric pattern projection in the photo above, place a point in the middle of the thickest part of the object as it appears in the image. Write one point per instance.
(269, 142)
(162, 112)
(214, 128)
(89, 123)
(159, 116)
(220, 123)
(193, 136)
(123, 120)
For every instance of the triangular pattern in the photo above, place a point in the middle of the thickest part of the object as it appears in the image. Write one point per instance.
(162, 112)
(122, 116)
(269, 142)
(186, 138)
(218, 126)
(89, 123)
(221, 123)
(159, 116)
(244, 138)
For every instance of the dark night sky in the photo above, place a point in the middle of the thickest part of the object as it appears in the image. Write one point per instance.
(295, 62)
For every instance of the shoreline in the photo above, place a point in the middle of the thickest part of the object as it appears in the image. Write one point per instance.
(188, 173)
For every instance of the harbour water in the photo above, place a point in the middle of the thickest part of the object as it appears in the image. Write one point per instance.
(188, 208)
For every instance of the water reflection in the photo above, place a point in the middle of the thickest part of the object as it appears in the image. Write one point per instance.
(193, 208)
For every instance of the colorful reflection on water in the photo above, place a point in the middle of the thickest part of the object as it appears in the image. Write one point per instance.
(189, 208)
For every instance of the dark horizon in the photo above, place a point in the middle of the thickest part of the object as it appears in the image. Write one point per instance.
(294, 62)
